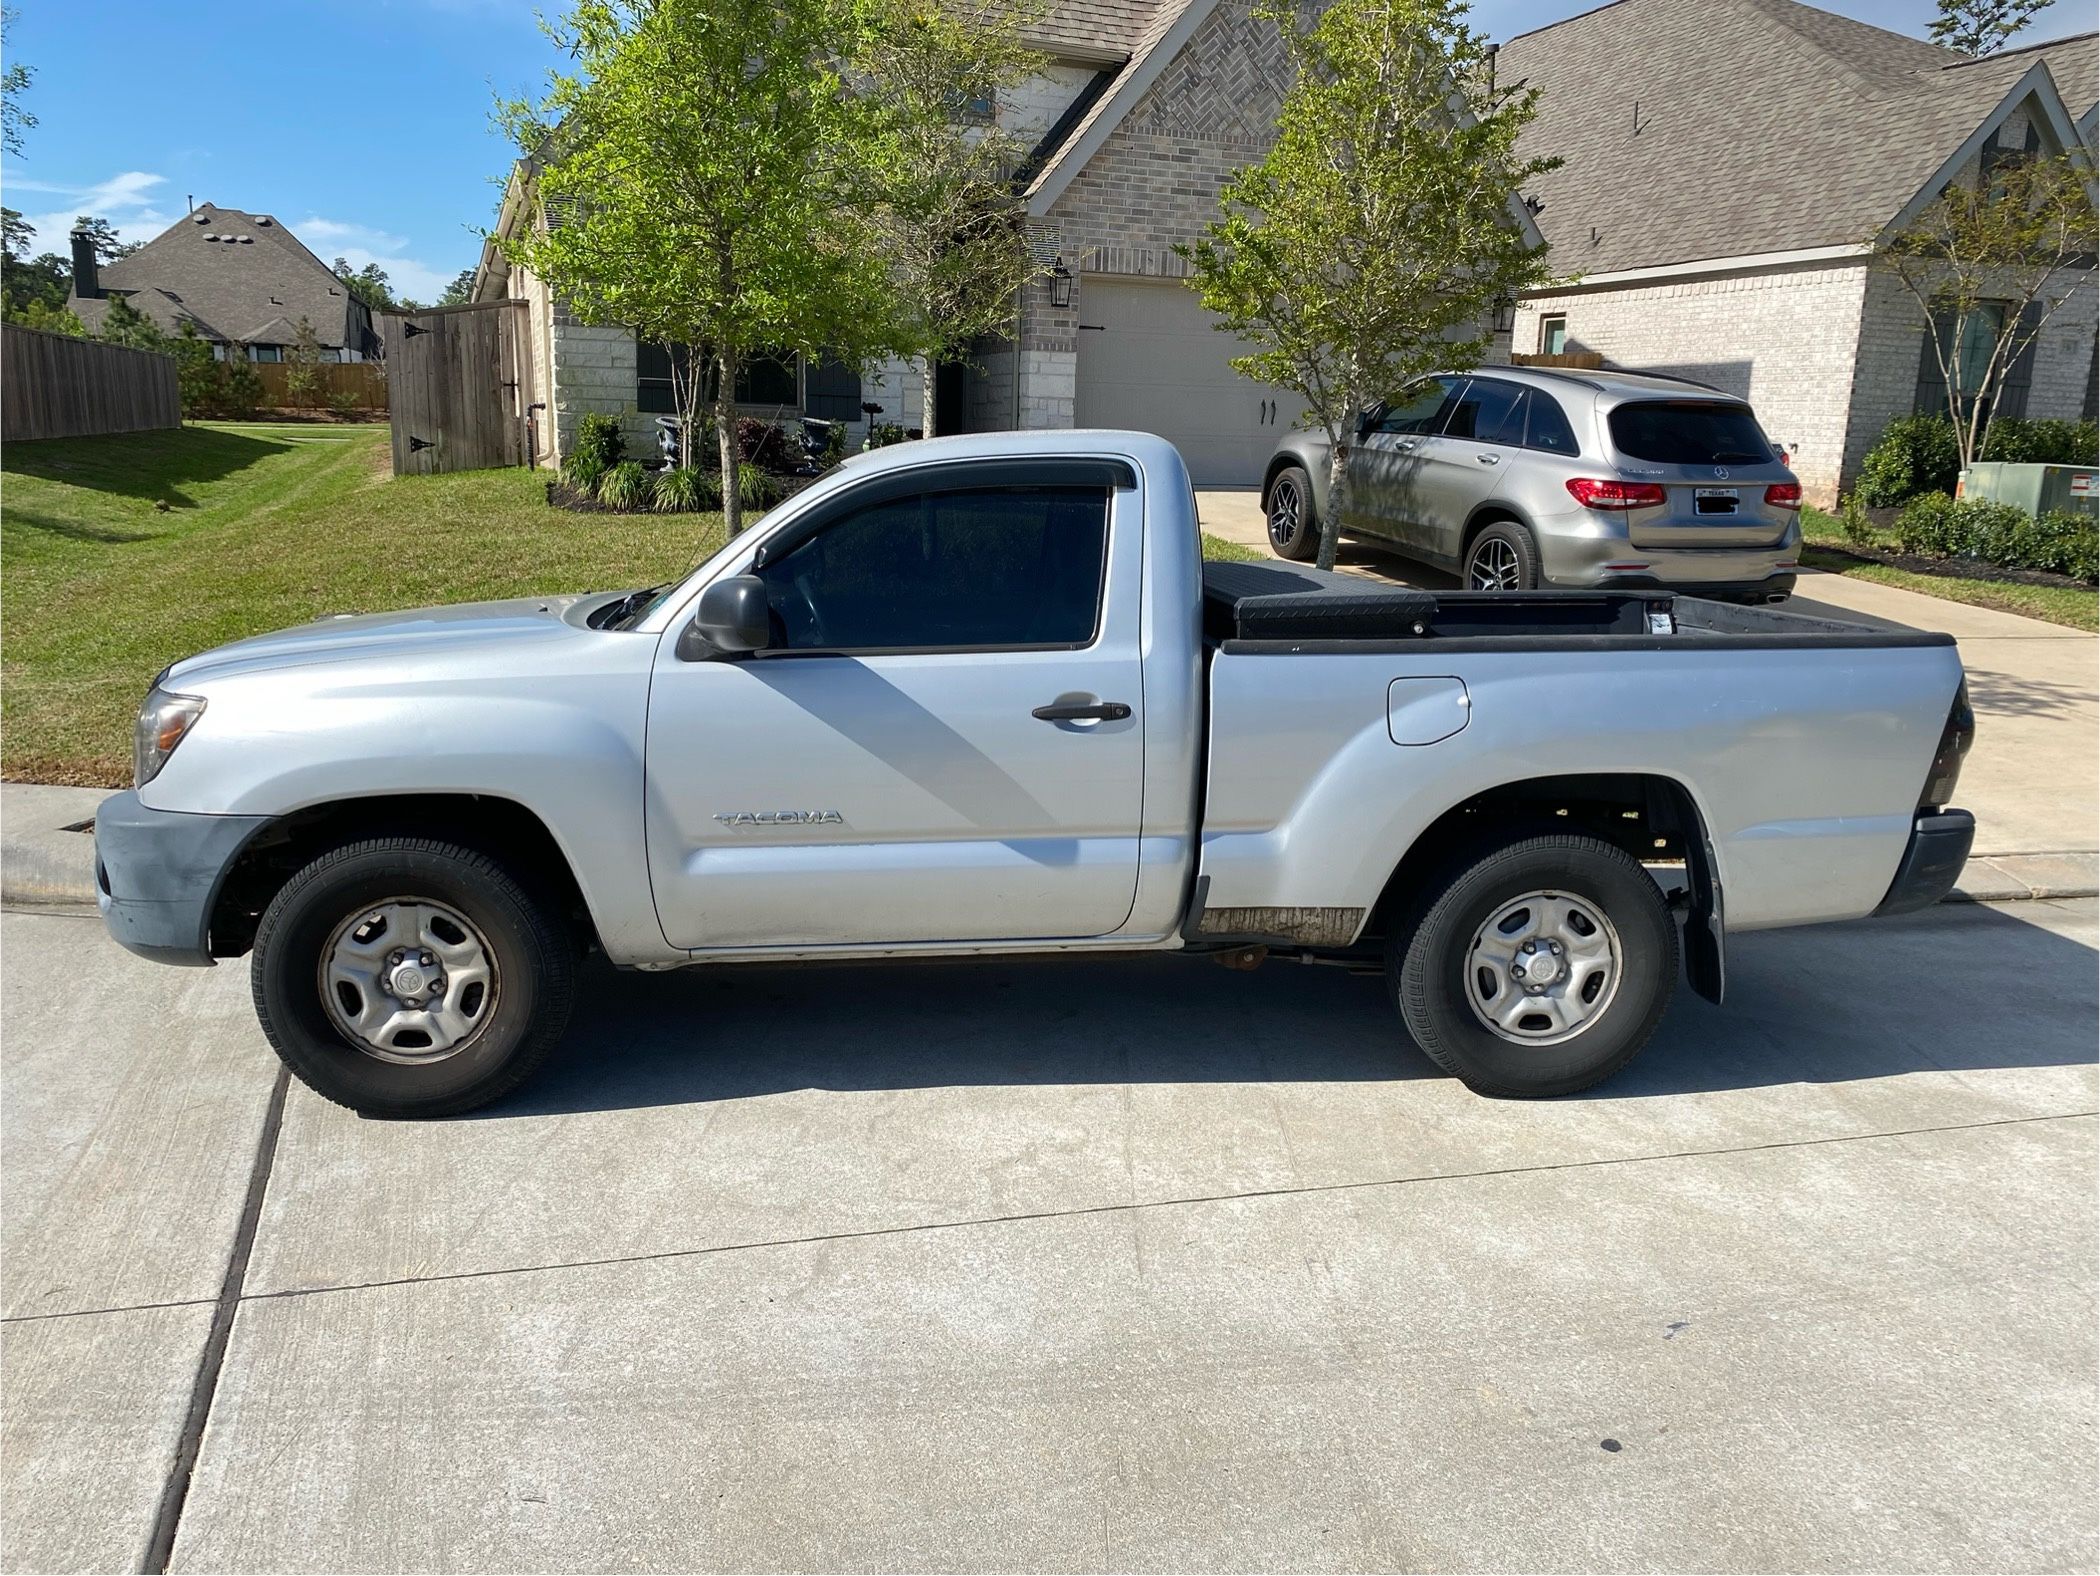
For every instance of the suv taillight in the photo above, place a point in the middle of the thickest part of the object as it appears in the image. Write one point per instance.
(1955, 740)
(1593, 493)
(1784, 495)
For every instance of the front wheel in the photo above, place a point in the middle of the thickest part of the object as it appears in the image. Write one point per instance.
(1536, 969)
(408, 977)
(1294, 521)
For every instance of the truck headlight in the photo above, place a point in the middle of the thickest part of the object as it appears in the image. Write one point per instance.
(163, 721)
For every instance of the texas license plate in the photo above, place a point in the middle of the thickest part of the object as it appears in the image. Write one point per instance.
(1716, 500)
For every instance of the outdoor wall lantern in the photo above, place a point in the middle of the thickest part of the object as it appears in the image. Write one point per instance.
(1060, 285)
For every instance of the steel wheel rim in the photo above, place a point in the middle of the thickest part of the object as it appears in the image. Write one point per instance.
(1495, 566)
(408, 980)
(1283, 514)
(1543, 968)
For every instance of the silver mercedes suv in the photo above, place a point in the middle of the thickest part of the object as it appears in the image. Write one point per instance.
(1520, 477)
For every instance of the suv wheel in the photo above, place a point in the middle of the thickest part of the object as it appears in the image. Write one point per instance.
(1294, 524)
(1503, 558)
(1538, 968)
(407, 977)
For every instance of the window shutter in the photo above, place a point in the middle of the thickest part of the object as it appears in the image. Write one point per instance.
(1931, 398)
(831, 392)
(2019, 377)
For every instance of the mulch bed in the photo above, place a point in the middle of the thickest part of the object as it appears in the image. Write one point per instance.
(1948, 568)
(562, 496)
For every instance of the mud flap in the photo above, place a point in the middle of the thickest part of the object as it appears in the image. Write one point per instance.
(1705, 953)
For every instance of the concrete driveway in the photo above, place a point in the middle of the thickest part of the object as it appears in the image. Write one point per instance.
(1089, 1266)
(2035, 686)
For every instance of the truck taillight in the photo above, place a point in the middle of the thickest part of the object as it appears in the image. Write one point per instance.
(1955, 740)
(1784, 495)
(1594, 493)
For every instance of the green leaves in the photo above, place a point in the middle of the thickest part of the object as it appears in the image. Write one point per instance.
(1376, 239)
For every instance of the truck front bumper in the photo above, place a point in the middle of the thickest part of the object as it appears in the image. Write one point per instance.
(158, 872)
(1932, 863)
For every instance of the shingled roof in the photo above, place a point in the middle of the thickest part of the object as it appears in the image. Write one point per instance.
(1699, 129)
(236, 276)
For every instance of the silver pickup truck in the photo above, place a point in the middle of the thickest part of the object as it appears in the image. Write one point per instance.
(982, 695)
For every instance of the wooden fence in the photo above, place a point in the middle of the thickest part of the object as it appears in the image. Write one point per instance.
(360, 385)
(57, 386)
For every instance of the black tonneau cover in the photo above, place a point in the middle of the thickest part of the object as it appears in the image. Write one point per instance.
(1243, 601)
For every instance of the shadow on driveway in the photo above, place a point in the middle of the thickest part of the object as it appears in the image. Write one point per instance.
(1961, 987)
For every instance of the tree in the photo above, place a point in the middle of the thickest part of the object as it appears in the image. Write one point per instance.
(51, 319)
(125, 324)
(1979, 27)
(46, 280)
(704, 182)
(102, 235)
(369, 284)
(951, 229)
(303, 383)
(1988, 266)
(14, 85)
(19, 232)
(1375, 240)
(460, 291)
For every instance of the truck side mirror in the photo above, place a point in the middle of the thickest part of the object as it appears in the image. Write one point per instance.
(732, 619)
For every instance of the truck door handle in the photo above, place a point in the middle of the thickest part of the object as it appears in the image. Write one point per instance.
(1488, 459)
(1099, 711)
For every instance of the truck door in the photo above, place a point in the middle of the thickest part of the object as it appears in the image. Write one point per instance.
(945, 739)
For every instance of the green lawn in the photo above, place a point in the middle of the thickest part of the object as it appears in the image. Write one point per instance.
(266, 526)
(1825, 547)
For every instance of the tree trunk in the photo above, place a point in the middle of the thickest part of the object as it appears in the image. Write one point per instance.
(725, 440)
(924, 364)
(1337, 497)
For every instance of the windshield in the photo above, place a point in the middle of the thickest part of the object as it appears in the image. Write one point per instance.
(1689, 432)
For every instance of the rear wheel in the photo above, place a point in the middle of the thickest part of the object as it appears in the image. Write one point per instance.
(1539, 968)
(1503, 558)
(1294, 523)
(408, 977)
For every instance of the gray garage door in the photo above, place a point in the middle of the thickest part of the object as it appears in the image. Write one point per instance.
(1150, 360)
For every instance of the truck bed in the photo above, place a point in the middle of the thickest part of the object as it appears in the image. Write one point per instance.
(1273, 607)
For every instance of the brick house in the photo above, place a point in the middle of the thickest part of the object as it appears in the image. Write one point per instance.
(1725, 166)
(1145, 108)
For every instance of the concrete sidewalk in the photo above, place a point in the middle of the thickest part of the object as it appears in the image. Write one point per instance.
(2031, 780)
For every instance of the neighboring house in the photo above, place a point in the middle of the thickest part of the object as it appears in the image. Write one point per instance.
(240, 278)
(1144, 110)
(1727, 162)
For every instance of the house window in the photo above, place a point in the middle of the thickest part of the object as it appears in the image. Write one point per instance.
(833, 391)
(1553, 336)
(266, 352)
(1979, 338)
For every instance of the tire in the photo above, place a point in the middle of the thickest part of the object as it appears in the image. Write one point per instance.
(1434, 971)
(514, 958)
(1296, 537)
(1506, 553)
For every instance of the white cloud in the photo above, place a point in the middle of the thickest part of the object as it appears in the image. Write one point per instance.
(359, 244)
(128, 201)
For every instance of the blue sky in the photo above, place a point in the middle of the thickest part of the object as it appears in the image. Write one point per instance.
(364, 124)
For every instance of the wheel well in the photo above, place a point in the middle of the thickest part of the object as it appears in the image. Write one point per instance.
(1652, 818)
(1485, 516)
(1278, 464)
(501, 828)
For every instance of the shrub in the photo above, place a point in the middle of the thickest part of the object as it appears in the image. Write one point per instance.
(763, 444)
(682, 490)
(1853, 521)
(626, 486)
(599, 445)
(582, 472)
(2001, 534)
(882, 434)
(240, 385)
(1918, 454)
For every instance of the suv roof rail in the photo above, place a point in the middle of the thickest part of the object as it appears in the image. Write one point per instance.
(1577, 375)
(1562, 373)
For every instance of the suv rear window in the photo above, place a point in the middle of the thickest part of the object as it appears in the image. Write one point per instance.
(1689, 432)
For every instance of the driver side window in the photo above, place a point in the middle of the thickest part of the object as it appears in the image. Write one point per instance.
(989, 568)
(1421, 407)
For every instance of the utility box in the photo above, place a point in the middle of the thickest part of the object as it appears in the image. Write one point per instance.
(2038, 489)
